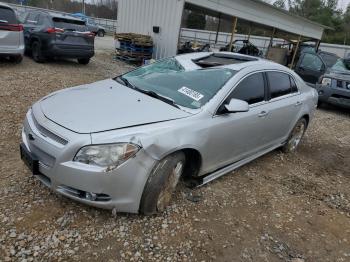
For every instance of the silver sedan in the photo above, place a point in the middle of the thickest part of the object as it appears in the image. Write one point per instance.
(125, 143)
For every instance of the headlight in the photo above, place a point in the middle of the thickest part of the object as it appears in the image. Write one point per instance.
(326, 81)
(108, 156)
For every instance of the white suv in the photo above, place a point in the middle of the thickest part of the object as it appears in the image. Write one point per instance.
(11, 34)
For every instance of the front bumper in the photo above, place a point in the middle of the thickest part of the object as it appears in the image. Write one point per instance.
(121, 188)
(336, 96)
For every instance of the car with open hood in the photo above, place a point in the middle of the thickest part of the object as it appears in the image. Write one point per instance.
(125, 143)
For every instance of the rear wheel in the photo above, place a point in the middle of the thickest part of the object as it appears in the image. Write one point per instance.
(296, 136)
(101, 33)
(16, 59)
(161, 184)
(83, 61)
(36, 52)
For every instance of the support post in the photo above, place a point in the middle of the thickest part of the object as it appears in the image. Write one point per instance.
(83, 7)
(317, 45)
(272, 36)
(234, 25)
(250, 31)
(218, 29)
(295, 52)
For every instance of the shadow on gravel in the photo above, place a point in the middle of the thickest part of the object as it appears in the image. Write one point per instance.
(334, 109)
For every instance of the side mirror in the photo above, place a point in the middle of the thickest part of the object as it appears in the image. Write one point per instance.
(236, 106)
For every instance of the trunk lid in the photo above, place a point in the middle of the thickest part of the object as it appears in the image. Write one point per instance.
(105, 105)
(72, 33)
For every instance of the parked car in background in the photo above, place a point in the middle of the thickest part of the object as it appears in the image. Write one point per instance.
(334, 85)
(11, 34)
(53, 35)
(91, 25)
(124, 143)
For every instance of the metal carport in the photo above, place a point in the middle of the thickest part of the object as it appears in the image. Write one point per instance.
(142, 16)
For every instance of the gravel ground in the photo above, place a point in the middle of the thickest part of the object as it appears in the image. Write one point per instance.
(278, 208)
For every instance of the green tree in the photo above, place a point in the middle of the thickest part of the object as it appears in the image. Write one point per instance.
(280, 4)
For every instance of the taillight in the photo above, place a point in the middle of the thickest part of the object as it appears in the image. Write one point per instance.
(11, 27)
(53, 30)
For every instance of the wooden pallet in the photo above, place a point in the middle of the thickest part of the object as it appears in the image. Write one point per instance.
(136, 39)
(133, 53)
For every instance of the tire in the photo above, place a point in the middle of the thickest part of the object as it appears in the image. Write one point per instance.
(101, 33)
(36, 52)
(295, 136)
(83, 61)
(16, 59)
(161, 184)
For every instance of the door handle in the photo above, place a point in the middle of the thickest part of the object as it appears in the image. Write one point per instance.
(298, 103)
(263, 114)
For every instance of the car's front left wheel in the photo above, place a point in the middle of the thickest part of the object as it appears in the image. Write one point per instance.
(295, 136)
(161, 184)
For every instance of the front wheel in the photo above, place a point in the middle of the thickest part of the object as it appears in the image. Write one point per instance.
(83, 61)
(296, 136)
(101, 33)
(161, 184)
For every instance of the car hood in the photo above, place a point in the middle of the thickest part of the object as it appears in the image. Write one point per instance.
(340, 75)
(105, 105)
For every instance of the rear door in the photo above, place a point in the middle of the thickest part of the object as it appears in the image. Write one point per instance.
(310, 67)
(10, 30)
(72, 33)
(284, 106)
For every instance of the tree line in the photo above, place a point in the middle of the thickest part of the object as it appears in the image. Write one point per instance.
(325, 12)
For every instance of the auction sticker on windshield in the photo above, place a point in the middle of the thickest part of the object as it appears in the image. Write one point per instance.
(191, 93)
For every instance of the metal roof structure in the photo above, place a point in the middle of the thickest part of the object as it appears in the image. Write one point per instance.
(140, 16)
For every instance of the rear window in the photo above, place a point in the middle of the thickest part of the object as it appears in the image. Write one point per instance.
(7, 16)
(69, 24)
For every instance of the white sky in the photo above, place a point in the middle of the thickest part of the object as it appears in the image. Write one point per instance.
(343, 3)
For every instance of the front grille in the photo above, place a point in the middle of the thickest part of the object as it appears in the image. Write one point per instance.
(44, 158)
(47, 133)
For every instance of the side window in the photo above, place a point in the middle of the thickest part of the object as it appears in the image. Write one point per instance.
(280, 84)
(293, 85)
(31, 18)
(39, 19)
(311, 61)
(251, 89)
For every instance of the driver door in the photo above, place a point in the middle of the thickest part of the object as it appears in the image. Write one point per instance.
(310, 67)
(235, 136)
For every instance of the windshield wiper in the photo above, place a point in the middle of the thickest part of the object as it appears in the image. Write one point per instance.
(147, 92)
(124, 81)
(157, 96)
